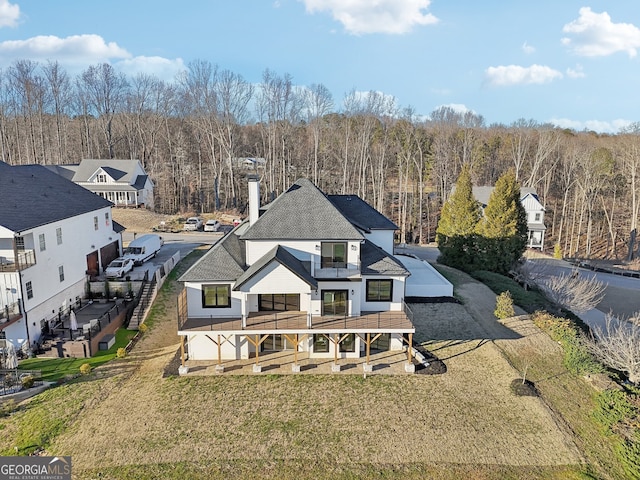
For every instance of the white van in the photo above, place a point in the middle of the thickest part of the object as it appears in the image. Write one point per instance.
(143, 248)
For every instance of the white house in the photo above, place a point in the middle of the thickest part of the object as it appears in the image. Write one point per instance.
(52, 232)
(533, 207)
(122, 182)
(311, 273)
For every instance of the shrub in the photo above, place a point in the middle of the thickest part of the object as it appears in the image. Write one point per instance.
(504, 306)
(142, 328)
(577, 358)
(557, 251)
(85, 369)
(27, 381)
(121, 353)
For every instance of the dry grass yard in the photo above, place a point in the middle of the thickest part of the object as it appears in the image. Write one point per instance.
(465, 421)
(131, 422)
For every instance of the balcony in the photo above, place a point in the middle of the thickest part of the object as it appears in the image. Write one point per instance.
(298, 321)
(336, 269)
(22, 261)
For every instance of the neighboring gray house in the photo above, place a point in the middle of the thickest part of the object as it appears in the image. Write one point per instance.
(533, 207)
(122, 182)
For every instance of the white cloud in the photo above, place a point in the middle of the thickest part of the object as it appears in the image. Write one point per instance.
(599, 126)
(75, 50)
(163, 68)
(456, 107)
(504, 76)
(575, 72)
(381, 16)
(9, 14)
(595, 35)
(528, 49)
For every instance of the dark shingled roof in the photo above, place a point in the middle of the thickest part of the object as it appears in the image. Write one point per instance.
(302, 213)
(375, 261)
(66, 171)
(361, 214)
(223, 262)
(281, 255)
(32, 195)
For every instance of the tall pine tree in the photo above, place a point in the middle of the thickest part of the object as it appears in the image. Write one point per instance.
(502, 232)
(458, 221)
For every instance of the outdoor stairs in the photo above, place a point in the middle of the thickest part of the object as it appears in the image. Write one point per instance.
(139, 312)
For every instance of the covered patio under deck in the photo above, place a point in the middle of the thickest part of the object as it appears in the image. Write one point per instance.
(296, 328)
(281, 363)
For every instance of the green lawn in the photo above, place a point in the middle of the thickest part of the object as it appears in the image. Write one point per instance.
(54, 369)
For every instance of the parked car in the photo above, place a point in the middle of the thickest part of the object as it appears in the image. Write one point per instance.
(143, 248)
(192, 224)
(212, 226)
(119, 267)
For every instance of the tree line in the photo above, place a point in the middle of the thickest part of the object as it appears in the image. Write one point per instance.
(189, 133)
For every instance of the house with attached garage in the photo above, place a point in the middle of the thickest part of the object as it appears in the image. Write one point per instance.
(52, 232)
(310, 273)
(532, 206)
(123, 182)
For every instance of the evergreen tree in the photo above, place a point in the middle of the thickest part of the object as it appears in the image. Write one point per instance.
(502, 231)
(456, 229)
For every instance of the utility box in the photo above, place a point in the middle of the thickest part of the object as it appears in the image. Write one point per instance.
(107, 342)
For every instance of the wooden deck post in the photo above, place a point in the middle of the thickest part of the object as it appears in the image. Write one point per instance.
(257, 344)
(182, 349)
(219, 351)
(368, 345)
(410, 349)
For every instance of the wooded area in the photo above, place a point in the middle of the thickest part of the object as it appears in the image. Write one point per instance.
(189, 135)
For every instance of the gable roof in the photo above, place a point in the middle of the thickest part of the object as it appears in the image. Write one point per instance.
(32, 196)
(361, 214)
(123, 171)
(303, 212)
(223, 262)
(375, 261)
(283, 257)
(482, 194)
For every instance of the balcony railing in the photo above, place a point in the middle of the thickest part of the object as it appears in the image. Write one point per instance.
(297, 321)
(24, 259)
(336, 269)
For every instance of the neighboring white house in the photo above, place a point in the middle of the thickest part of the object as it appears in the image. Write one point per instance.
(52, 232)
(533, 207)
(311, 273)
(122, 182)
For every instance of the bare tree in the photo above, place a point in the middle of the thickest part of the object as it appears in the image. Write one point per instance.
(106, 90)
(617, 345)
(573, 292)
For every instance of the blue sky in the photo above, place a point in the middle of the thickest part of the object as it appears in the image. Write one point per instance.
(572, 63)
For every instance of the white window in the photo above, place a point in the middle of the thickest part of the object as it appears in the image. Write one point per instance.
(43, 243)
(29, 290)
(61, 273)
(95, 223)
(106, 219)
(59, 235)
(101, 178)
(538, 217)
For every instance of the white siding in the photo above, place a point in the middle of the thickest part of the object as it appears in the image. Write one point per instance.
(194, 302)
(382, 238)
